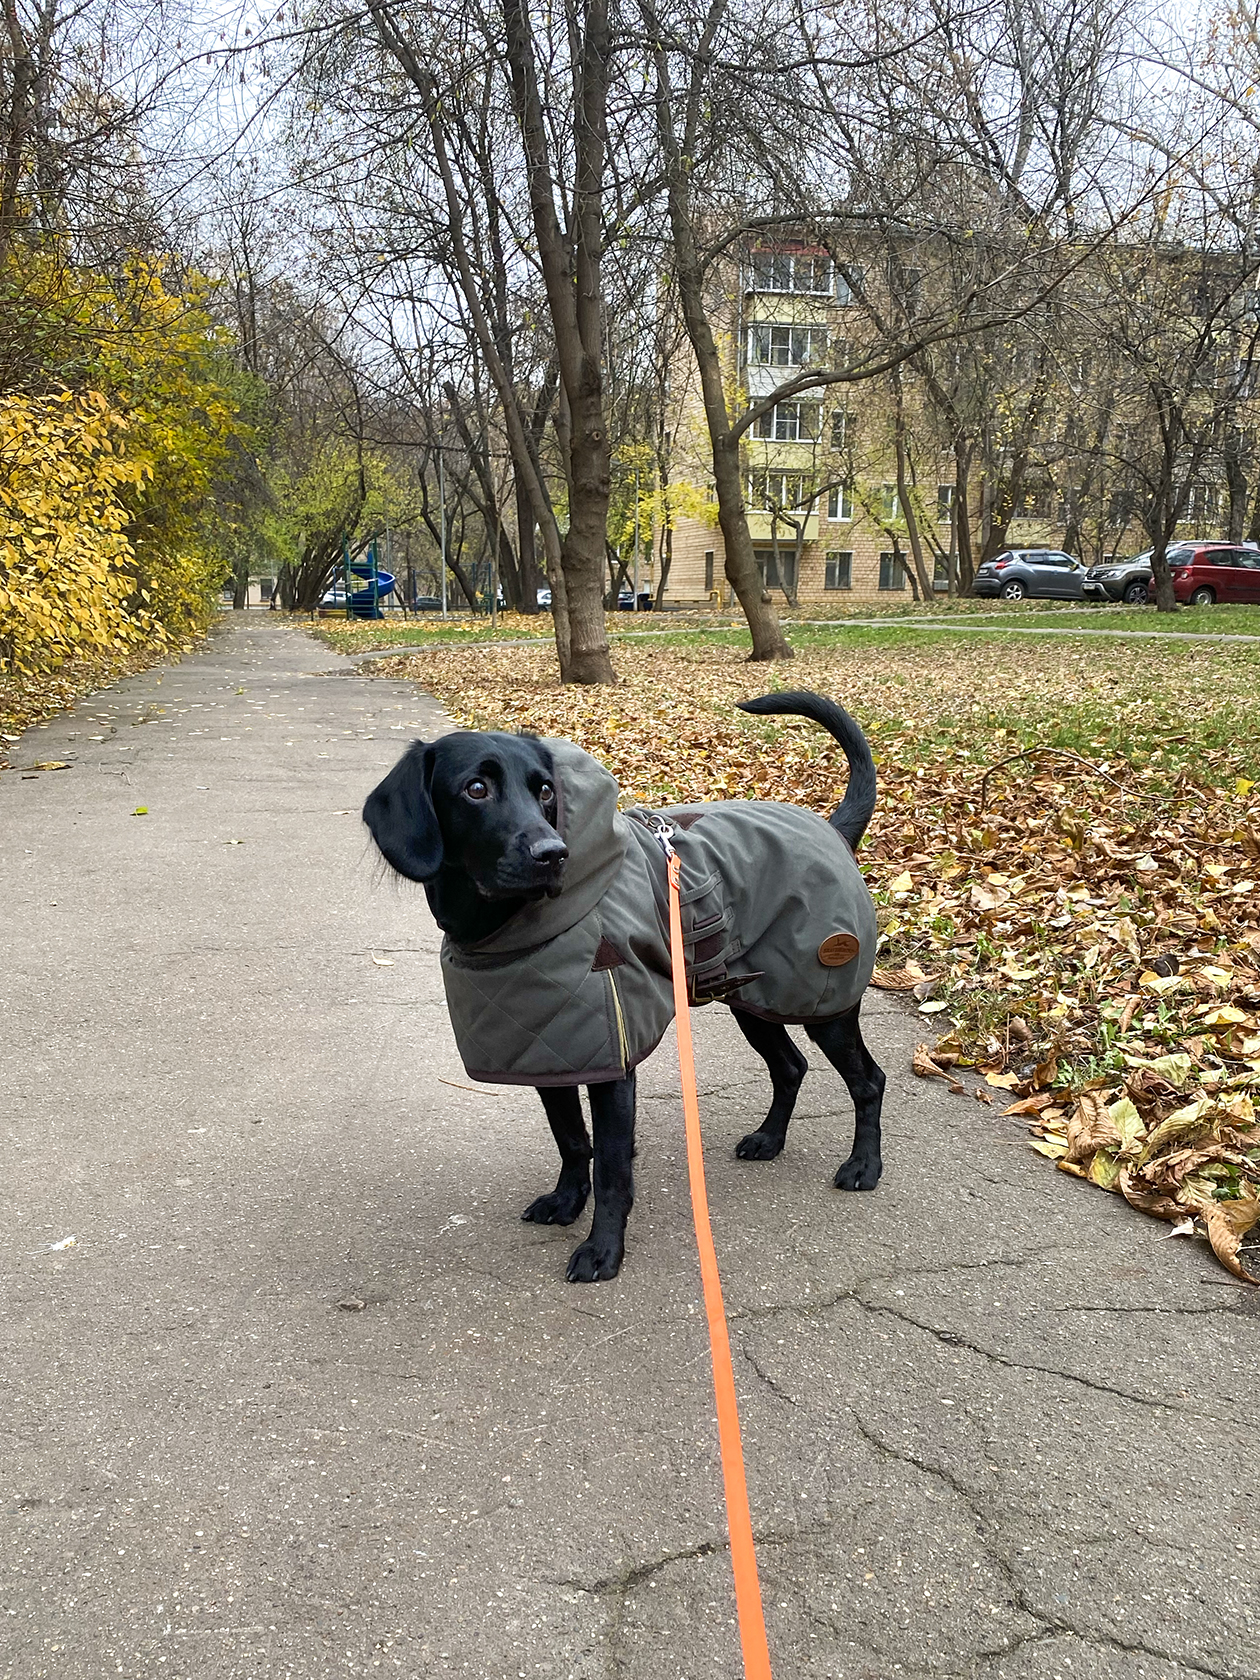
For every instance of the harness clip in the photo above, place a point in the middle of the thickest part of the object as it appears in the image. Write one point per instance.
(662, 830)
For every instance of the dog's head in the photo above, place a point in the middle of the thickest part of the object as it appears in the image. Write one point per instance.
(484, 804)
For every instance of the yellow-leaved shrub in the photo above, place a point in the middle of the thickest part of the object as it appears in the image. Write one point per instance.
(68, 583)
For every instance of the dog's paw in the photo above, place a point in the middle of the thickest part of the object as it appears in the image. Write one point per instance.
(759, 1146)
(558, 1207)
(859, 1172)
(595, 1262)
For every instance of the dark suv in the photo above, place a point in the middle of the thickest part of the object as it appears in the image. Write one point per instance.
(1128, 580)
(1022, 572)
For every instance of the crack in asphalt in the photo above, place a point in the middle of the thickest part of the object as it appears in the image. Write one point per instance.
(857, 1295)
(950, 1338)
(766, 1378)
(987, 1527)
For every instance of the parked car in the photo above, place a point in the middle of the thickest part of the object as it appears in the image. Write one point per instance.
(544, 597)
(626, 602)
(1022, 572)
(1129, 580)
(1207, 572)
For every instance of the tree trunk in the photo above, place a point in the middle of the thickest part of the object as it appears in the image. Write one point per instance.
(489, 501)
(240, 584)
(526, 552)
(768, 640)
(1165, 600)
(22, 80)
(962, 515)
(524, 457)
(1236, 479)
(904, 498)
(666, 561)
(582, 551)
(573, 280)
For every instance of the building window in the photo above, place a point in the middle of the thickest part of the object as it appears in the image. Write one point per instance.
(779, 490)
(945, 503)
(889, 504)
(778, 570)
(839, 573)
(784, 271)
(940, 575)
(840, 503)
(849, 282)
(708, 571)
(772, 346)
(841, 429)
(789, 422)
(892, 574)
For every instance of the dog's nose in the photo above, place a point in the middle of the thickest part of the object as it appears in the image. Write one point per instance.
(550, 849)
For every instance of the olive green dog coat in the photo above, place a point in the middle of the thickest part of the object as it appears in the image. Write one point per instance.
(576, 989)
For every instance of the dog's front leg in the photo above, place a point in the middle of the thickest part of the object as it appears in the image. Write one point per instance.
(563, 1205)
(612, 1129)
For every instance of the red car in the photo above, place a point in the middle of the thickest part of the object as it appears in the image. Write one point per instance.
(1203, 573)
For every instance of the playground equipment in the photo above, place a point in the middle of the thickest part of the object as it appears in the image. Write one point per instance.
(365, 602)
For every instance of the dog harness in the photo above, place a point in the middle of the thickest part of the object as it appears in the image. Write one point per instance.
(576, 989)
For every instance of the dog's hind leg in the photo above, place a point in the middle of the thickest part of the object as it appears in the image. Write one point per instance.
(612, 1127)
(840, 1040)
(563, 1205)
(787, 1067)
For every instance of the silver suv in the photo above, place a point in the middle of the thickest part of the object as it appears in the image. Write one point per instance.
(1022, 572)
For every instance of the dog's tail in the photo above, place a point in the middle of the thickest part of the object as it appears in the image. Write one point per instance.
(854, 811)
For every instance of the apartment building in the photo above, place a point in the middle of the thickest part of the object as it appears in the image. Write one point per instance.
(819, 470)
(822, 529)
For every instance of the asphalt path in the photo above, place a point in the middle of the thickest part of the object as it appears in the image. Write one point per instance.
(288, 1391)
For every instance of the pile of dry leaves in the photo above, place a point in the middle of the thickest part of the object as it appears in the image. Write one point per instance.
(1084, 919)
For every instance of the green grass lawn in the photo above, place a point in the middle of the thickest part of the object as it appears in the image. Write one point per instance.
(1200, 621)
(803, 627)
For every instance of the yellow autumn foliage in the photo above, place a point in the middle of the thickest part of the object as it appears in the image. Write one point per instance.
(67, 569)
(108, 458)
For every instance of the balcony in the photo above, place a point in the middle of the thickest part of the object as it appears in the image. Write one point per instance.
(761, 528)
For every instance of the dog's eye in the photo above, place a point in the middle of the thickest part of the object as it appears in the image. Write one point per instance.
(546, 794)
(477, 789)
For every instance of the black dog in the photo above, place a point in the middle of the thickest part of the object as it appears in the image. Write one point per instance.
(478, 819)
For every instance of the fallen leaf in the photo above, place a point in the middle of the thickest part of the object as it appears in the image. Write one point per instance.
(1227, 1224)
(926, 1068)
(1031, 1105)
(1090, 1127)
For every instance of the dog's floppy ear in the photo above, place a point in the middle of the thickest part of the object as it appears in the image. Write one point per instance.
(399, 812)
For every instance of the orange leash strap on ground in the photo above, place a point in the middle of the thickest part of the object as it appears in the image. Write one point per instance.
(752, 1626)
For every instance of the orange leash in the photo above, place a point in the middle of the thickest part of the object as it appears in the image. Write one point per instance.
(752, 1626)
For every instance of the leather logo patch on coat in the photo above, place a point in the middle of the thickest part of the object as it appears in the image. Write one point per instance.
(838, 949)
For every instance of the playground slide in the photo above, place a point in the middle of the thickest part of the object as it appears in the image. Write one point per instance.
(365, 603)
